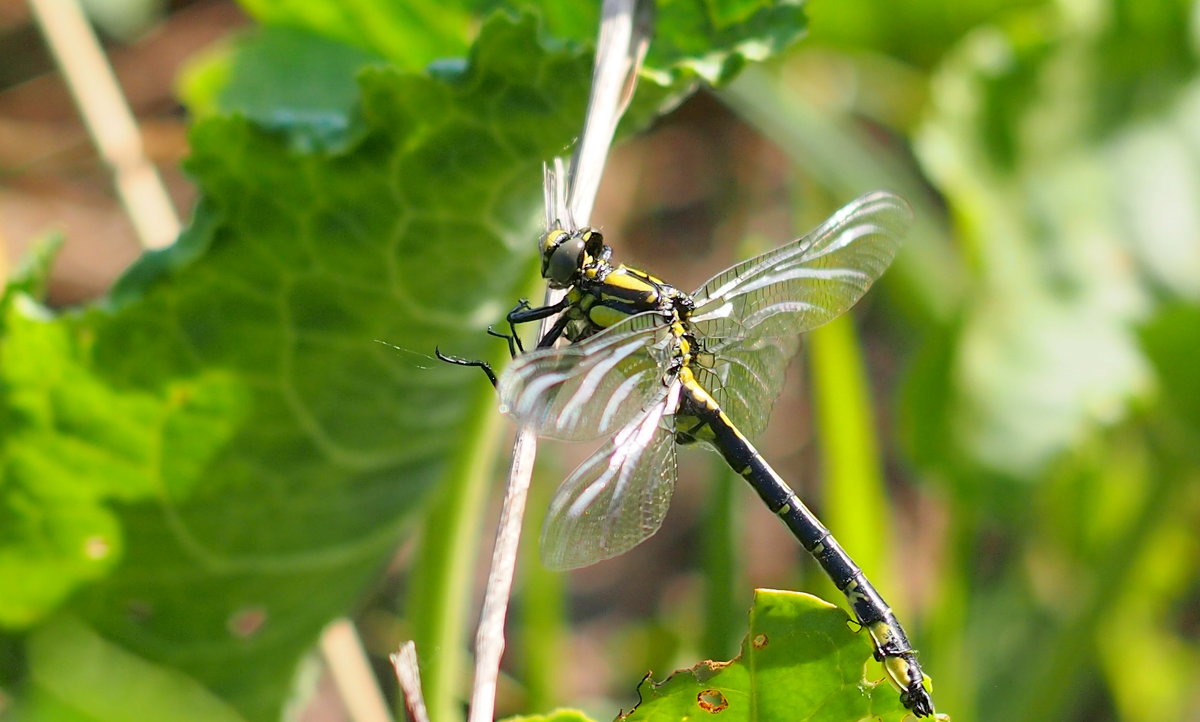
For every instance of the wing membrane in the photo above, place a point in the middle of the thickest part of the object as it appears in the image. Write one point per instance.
(745, 378)
(751, 314)
(591, 388)
(619, 495)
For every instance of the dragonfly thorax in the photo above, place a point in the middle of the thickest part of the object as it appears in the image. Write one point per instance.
(604, 295)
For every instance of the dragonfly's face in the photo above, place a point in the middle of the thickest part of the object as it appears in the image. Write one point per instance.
(564, 255)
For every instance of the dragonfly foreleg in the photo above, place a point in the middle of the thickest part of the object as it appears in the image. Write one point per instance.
(514, 343)
(457, 361)
(522, 313)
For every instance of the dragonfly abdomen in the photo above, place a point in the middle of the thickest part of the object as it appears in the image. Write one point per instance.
(707, 422)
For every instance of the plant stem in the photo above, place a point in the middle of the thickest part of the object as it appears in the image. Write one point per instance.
(438, 605)
(855, 500)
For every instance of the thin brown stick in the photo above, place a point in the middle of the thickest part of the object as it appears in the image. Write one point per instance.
(109, 120)
(619, 51)
(347, 663)
(489, 638)
(409, 677)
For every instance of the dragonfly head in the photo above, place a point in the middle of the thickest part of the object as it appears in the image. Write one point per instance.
(564, 255)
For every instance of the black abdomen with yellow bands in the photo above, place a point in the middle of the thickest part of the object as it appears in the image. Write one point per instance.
(699, 418)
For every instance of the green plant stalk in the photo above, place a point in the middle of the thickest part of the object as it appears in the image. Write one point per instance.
(719, 538)
(543, 609)
(943, 645)
(439, 603)
(855, 500)
(1161, 685)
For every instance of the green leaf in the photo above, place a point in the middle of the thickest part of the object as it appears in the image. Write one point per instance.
(31, 276)
(256, 78)
(71, 443)
(410, 34)
(327, 43)
(694, 39)
(712, 41)
(265, 449)
(801, 660)
(78, 675)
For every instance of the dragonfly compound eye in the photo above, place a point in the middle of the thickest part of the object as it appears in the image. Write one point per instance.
(593, 241)
(561, 263)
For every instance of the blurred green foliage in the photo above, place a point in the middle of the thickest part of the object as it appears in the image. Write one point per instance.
(1045, 400)
(203, 468)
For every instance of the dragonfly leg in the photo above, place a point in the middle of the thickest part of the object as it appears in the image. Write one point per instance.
(522, 313)
(555, 331)
(522, 306)
(514, 343)
(457, 361)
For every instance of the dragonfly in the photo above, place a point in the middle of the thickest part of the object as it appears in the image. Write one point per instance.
(650, 368)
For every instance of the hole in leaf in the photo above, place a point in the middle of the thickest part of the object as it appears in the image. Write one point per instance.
(246, 621)
(712, 701)
(139, 610)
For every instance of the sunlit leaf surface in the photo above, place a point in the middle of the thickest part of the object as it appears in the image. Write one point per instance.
(802, 659)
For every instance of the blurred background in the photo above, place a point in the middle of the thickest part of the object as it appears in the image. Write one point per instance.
(1005, 434)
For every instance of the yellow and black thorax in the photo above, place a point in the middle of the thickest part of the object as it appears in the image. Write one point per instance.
(600, 294)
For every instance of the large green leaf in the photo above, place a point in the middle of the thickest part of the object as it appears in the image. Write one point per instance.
(210, 464)
(327, 43)
(81, 676)
(696, 38)
(263, 448)
(801, 660)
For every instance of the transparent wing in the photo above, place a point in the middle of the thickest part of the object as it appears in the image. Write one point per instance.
(809, 281)
(591, 388)
(745, 377)
(751, 314)
(618, 496)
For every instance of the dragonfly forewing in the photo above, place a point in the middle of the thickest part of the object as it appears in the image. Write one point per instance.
(591, 388)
